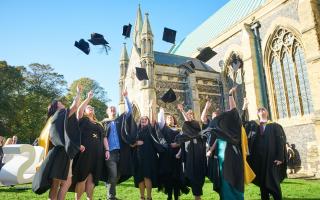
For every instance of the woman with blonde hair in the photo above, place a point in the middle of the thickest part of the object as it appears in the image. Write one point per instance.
(88, 165)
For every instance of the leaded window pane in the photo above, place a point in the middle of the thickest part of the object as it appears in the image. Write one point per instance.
(279, 88)
(303, 81)
(291, 83)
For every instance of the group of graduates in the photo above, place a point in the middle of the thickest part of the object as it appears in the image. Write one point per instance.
(159, 154)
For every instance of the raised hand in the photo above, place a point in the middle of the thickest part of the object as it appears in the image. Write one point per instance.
(79, 89)
(180, 107)
(245, 103)
(125, 92)
(233, 90)
(208, 104)
(90, 94)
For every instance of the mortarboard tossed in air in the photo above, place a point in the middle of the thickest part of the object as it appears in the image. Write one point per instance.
(126, 30)
(141, 74)
(206, 54)
(98, 39)
(169, 96)
(169, 35)
(83, 46)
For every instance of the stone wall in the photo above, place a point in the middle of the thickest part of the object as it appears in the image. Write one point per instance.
(303, 137)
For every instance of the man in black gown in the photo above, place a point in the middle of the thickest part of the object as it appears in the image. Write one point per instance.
(266, 142)
(118, 167)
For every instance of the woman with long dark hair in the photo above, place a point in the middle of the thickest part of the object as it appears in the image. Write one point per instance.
(193, 152)
(145, 158)
(170, 165)
(63, 134)
(88, 165)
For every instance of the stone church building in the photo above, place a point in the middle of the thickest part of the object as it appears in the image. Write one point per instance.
(277, 43)
(191, 83)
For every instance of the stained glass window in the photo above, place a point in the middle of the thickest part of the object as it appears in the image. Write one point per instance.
(288, 69)
(303, 81)
(289, 74)
(279, 89)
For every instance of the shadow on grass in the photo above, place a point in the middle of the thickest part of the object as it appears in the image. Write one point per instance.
(293, 183)
(14, 189)
(300, 198)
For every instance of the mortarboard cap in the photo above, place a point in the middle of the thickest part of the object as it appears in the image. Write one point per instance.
(206, 54)
(141, 74)
(169, 96)
(169, 35)
(97, 39)
(126, 30)
(83, 46)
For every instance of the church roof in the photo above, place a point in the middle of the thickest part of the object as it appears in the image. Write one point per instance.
(161, 58)
(223, 19)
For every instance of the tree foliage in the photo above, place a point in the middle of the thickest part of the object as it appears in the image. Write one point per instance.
(26, 92)
(25, 96)
(99, 100)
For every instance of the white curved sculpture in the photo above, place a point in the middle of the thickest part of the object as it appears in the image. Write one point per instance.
(21, 167)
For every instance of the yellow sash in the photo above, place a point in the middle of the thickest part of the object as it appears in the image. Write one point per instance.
(44, 140)
(249, 175)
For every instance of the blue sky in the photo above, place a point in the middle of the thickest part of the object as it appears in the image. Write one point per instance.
(39, 31)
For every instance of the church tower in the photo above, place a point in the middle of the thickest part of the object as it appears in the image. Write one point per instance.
(147, 62)
(124, 61)
(137, 29)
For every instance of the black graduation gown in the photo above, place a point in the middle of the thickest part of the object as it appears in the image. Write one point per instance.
(193, 153)
(65, 137)
(126, 130)
(264, 149)
(90, 161)
(170, 168)
(145, 157)
(227, 126)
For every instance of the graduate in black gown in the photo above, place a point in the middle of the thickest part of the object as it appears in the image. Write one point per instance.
(88, 165)
(193, 152)
(170, 165)
(267, 153)
(145, 158)
(64, 135)
(229, 171)
(211, 140)
(118, 129)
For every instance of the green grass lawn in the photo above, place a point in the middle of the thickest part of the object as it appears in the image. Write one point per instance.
(292, 189)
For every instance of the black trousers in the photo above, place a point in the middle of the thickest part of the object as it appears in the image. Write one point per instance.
(265, 193)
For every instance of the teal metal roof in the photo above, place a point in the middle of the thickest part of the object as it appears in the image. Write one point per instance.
(227, 16)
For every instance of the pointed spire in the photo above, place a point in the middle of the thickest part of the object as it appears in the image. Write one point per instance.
(124, 55)
(146, 28)
(137, 28)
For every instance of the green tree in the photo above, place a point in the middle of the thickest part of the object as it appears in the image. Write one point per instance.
(99, 100)
(12, 92)
(43, 85)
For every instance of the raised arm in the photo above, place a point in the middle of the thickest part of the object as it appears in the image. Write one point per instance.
(244, 116)
(83, 105)
(205, 112)
(161, 120)
(76, 102)
(127, 104)
(181, 109)
(232, 103)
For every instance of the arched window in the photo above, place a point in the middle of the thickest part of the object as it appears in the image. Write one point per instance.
(280, 96)
(289, 76)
